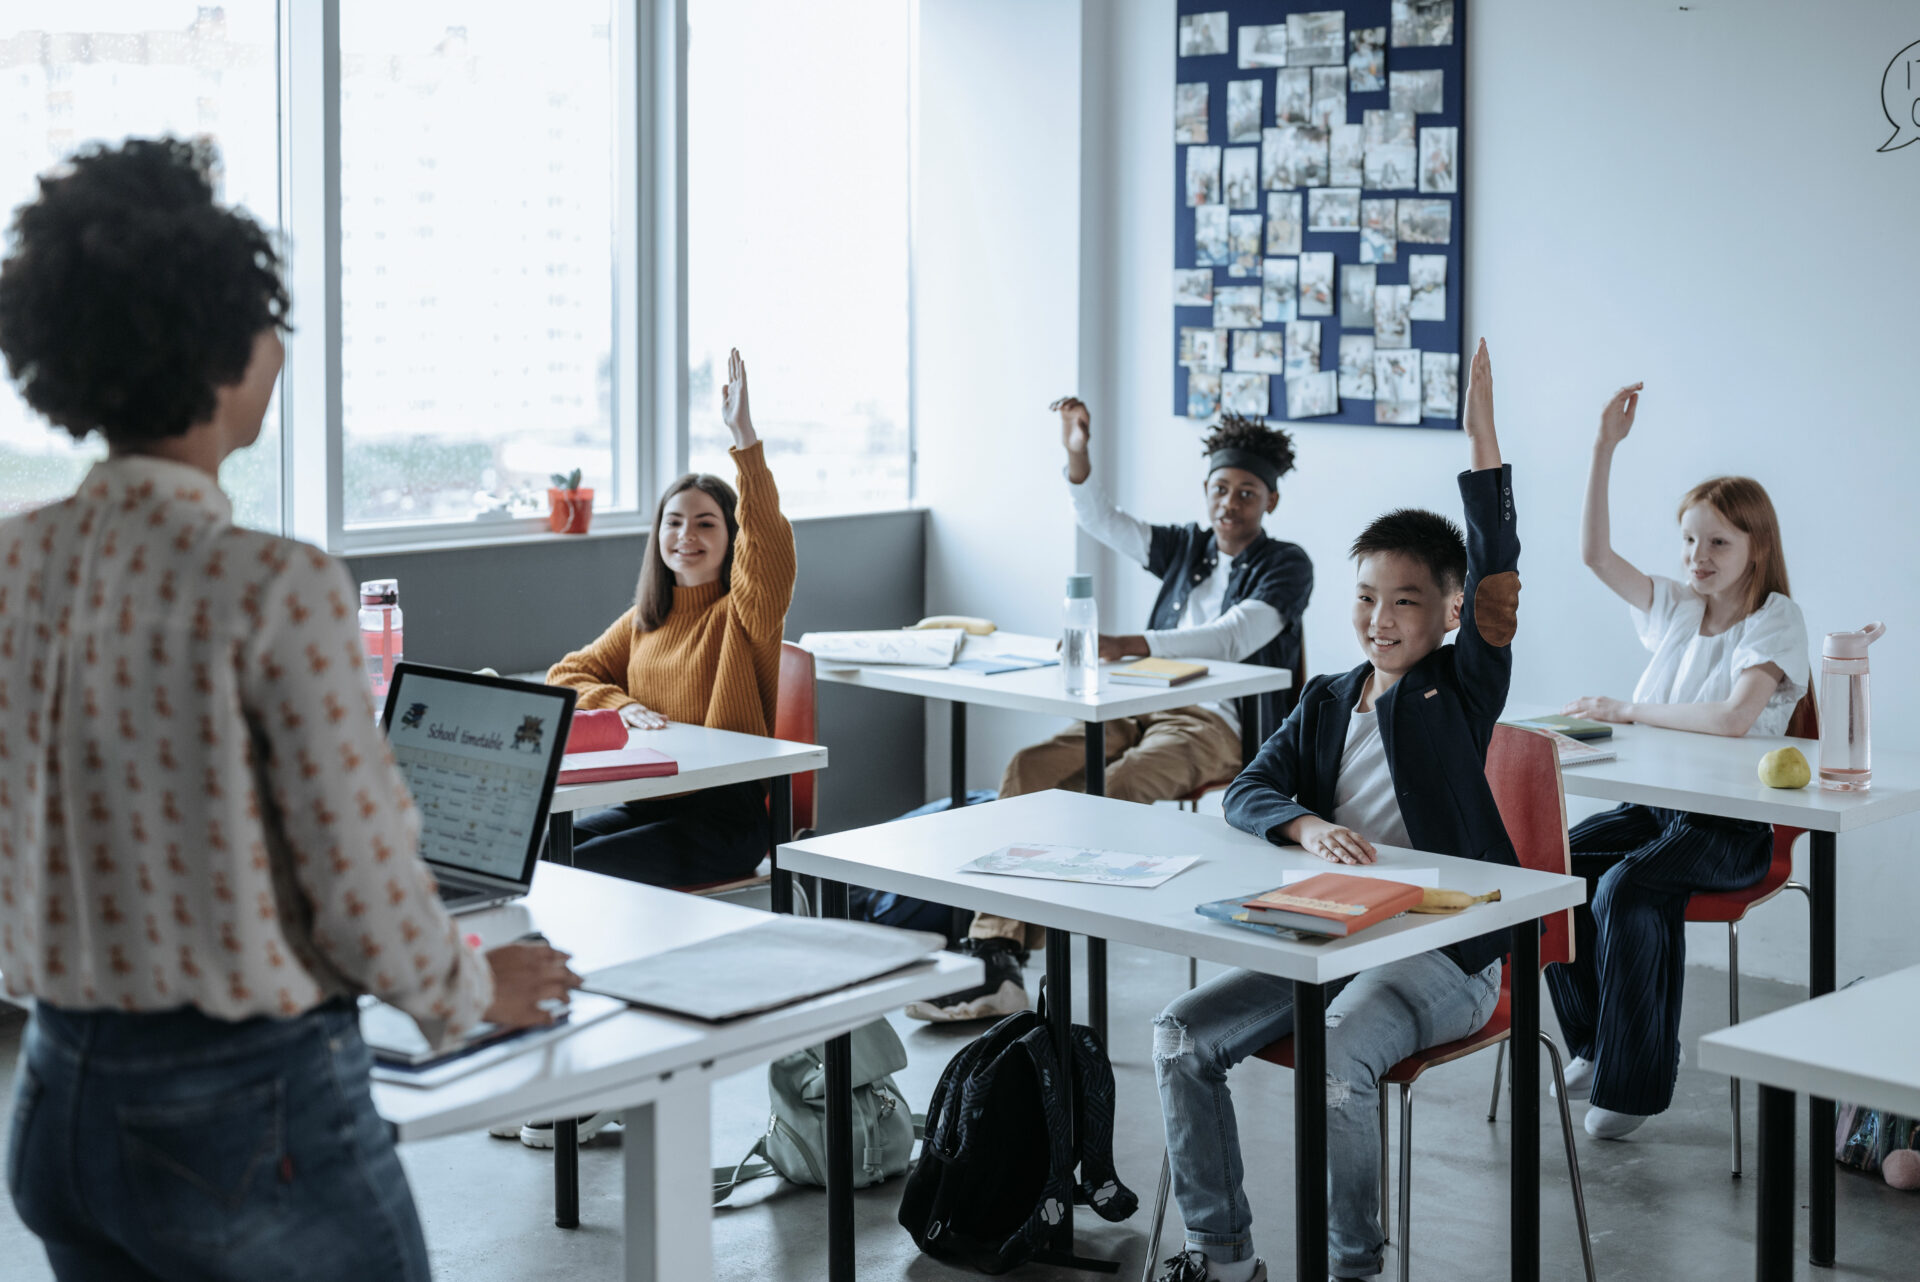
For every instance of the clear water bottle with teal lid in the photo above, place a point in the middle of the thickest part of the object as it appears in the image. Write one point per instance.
(1080, 642)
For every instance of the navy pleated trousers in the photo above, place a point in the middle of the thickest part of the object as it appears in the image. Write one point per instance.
(1619, 999)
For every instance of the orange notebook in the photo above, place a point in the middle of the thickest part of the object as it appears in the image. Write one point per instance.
(1332, 904)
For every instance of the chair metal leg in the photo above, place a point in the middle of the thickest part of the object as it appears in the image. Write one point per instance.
(1383, 1165)
(1159, 1217)
(1406, 1181)
(1733, 1017)
(1193, 972)
(1573, 1156)
(1499, 1063)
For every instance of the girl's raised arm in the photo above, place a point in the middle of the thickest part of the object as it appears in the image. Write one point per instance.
(1596, 533)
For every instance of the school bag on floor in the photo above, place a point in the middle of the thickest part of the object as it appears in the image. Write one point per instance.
(996, 1169)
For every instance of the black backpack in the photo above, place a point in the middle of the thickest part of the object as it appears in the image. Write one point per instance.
(996, 1169)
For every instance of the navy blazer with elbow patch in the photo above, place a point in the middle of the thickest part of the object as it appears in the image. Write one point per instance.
(1435, 722)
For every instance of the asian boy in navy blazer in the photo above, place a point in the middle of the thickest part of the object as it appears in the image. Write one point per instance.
(1392, 752)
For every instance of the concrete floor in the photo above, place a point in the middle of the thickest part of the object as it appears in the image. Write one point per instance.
(1661, 1204)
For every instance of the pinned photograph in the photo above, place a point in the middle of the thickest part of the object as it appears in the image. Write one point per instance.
(1329, 96)
(1258, 351)
(1396, 386)
(1440, 383)
(1317, 39)
(1244, 394)
(1356, 298)
(1390, 327)
(1279, 289)
(1202, 34)
(1210, 236)
(1240, 176)
(1203, 176)
(1426, 222)
(1316, 284)
(1419, 24)
(1356, 366)
(1263, 46)
(1391, 160)
(1243, 110)
(1238, 307)
(1190, 113)
(1346, 155)
(1427, 278)
(1333, 209)
(1297, 157)
(1192, 287)
(1367, 60)
(1243, 244)
(1313, 395)
(1439, 157)
(1203, 348)
(1203, 395)
(1293, 96)
(1379, 242)
(1303, 348)
(1283, 222)
(1416, 91)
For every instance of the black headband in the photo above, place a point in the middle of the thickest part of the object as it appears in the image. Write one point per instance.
(1247, 461)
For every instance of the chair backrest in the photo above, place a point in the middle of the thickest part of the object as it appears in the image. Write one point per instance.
(1805, 721)
(796, 719)
(1523, 769)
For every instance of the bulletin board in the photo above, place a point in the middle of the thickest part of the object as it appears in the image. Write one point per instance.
(1319, 215)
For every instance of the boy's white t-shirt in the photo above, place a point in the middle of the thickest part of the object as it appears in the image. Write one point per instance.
(1363, 796)
(1689, 668)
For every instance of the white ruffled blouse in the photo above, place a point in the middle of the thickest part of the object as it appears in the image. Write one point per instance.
(1690, 668)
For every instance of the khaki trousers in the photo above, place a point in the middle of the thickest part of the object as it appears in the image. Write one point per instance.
(1161, 756)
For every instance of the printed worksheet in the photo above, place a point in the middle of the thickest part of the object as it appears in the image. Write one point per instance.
(1076, 863)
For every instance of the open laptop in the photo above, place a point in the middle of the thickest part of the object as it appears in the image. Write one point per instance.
(480, 755)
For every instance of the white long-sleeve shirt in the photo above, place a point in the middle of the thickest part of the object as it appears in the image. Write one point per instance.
(1206, 629)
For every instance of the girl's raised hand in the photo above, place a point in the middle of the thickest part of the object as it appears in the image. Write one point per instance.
(1598, 707)
(733, 402)
(1616, 420)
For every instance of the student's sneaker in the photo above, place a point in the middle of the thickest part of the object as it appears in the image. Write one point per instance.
(1605, 1124)
(1579, 1075)
(1192, 1266)
(540, 1134)
(1003, 993)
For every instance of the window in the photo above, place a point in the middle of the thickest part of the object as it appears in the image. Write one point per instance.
(477, 258)
(797, 237)
(80, 71)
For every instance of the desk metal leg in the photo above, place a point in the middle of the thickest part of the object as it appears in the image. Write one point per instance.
(957, 754)
(1823, 894)
(1096, 784)
(560, 837)
(1310, 1131)
(1774, 1216)
(668, 1220)
(1060, 1024)
(839, 1065)
(566, 1173)
(780, 821)
(1524, 1265)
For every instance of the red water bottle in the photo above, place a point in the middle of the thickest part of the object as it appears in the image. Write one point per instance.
(380, 633)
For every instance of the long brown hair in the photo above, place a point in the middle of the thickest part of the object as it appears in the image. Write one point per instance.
(1743, 503)
(653, 598)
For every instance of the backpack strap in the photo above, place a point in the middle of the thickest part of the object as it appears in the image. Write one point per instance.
(1094, 1101)
(727, 1179)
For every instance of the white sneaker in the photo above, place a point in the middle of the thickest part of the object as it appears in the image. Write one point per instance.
(540, 1134)
(505, 1131)
(1579, 1078)
(1605, 1124)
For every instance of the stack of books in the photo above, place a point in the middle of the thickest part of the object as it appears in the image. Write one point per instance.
(1331, 905)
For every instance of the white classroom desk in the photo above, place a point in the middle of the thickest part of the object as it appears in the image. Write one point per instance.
(1716, 775)
(922, 857)
(656, 1067)
(1041, 690)
(1861, 1044)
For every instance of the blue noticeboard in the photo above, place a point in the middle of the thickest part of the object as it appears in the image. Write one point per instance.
(1309, 140)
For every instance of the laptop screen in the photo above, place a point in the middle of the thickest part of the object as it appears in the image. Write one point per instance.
(480, 755)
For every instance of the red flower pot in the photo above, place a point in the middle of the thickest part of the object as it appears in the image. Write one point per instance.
(569, 511)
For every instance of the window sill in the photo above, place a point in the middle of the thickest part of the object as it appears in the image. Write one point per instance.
(612, 525)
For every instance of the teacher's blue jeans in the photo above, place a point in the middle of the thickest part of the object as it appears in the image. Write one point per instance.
(1374, 1021)
(174, 1146)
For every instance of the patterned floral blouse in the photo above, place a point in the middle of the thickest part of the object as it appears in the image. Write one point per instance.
(196, 808)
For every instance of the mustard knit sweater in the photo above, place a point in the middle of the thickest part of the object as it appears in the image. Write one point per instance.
(716, 660)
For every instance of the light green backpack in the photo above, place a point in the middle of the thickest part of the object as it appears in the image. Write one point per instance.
(795, 1145)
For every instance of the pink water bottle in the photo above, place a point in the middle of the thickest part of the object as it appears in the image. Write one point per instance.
(1846, 751)
(380, 634)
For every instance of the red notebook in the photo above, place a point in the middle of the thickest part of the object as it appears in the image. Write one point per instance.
(1333, 904)
(621, 763)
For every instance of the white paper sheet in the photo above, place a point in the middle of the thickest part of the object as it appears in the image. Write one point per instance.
(928, 648)
(1075, 863)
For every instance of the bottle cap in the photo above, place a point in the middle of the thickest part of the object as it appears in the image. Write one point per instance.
(1079, 587)
(1852, 645)
(380, 592)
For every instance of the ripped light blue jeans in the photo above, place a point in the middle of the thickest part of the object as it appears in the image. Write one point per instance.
(1374, 1021)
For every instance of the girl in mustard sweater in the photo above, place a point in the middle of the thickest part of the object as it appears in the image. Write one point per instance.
(700, 645)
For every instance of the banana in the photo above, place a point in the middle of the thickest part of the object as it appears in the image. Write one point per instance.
(966, 623)
(1435, 899)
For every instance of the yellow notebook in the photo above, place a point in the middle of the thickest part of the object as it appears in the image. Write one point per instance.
(1158, 672)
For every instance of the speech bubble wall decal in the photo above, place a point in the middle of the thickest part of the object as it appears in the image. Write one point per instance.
(1900, 97)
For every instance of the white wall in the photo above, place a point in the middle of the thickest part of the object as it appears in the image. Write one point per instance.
(1689, 197)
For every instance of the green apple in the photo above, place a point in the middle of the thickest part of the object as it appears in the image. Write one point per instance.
(1785, 768)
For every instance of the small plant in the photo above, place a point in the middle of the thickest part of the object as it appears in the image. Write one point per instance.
(567, 481)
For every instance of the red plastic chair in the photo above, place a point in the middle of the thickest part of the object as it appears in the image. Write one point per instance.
(1732, 906)
(1290, 696)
